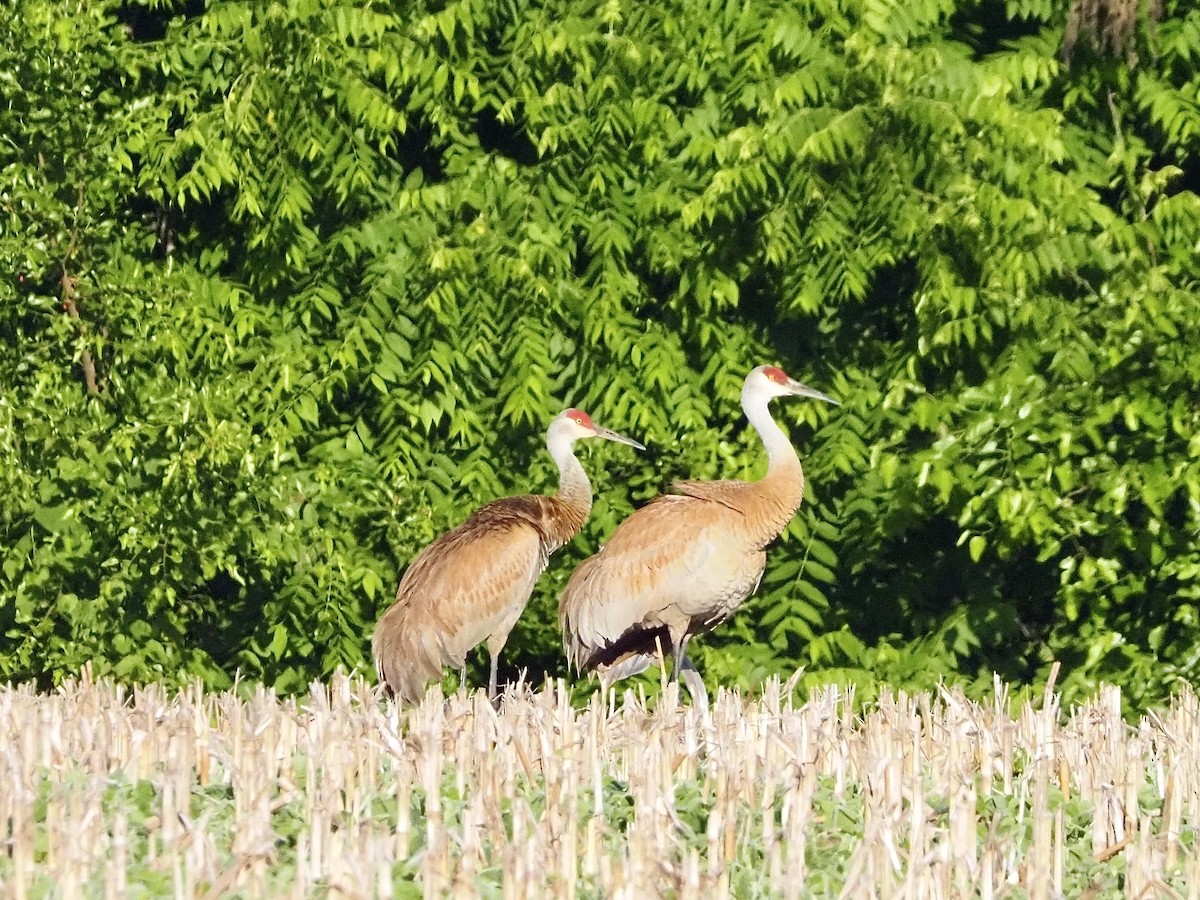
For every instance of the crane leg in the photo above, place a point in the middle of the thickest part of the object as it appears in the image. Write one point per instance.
(695, 685)
(492, 677)
(679, 653)
(688, 674)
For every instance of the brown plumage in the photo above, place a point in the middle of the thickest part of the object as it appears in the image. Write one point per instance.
(471, 584)
(684, 563)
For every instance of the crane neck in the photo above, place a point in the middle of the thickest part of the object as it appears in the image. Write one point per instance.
(781, 455)
(779, 493)
(574, 488)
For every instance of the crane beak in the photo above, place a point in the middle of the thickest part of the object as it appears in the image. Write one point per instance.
(619, 438)
(803, 390)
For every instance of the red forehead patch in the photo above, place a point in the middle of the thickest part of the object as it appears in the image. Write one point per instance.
(580, 417)
(776, 374)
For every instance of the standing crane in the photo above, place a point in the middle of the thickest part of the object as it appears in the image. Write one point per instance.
(471, 584)
(683, 564)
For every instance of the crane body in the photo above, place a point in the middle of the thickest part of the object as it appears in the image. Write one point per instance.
(470, 585)
(685, 562)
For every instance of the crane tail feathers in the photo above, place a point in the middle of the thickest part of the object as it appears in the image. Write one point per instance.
(406, 659)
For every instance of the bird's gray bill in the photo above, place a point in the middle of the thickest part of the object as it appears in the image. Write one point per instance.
(619, 438)
(803, 390)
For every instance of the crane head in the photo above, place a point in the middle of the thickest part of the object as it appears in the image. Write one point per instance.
(772, 381)
(574, 424)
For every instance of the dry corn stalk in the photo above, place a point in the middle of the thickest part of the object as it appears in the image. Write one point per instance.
(108, 789)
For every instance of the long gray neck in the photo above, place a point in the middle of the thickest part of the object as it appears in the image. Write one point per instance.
(780, 452)
(574, 487)
(780, 492)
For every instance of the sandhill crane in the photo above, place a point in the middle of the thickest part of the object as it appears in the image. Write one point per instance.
(471, 584)
(684, 563)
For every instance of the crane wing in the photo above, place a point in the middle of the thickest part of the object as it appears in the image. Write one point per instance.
(681, 561)
(725, 493)
(467, 586)
(464, 588)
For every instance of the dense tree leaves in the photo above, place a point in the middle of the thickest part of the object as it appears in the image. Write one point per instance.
(292, 287)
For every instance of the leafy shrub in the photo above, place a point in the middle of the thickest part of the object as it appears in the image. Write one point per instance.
(293, 287)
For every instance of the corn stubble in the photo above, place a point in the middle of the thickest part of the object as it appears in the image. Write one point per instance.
(117, 792)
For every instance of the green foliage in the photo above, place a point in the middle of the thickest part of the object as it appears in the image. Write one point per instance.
(292, 287)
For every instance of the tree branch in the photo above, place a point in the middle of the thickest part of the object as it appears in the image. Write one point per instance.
(68, 302)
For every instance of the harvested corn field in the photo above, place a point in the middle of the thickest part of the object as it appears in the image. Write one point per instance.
(117, 792)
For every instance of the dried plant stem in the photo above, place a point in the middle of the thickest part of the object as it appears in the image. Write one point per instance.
(114, 791)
